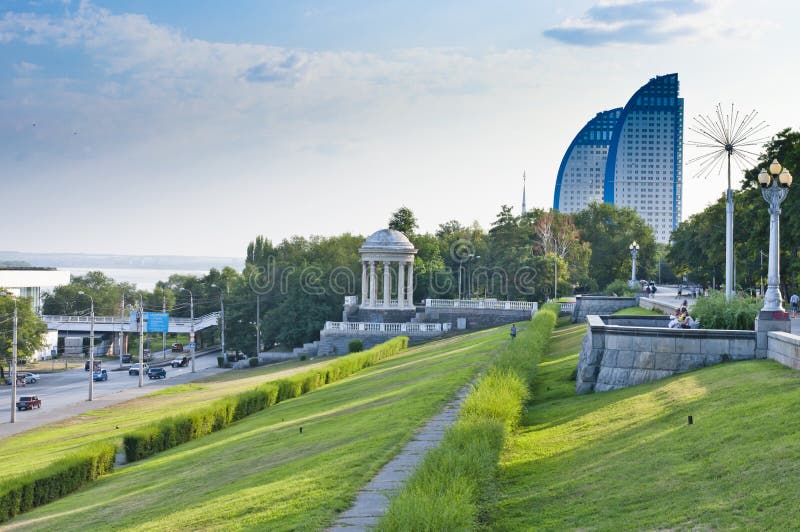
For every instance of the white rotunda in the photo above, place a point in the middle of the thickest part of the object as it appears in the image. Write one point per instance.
(387, 249)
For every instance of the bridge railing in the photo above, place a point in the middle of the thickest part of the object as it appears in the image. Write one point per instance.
(206, 320)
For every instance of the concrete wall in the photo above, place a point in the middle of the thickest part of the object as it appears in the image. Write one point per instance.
(659, 305)
(616, 356)
(338, 342)
(784, 348)
(599, 305)
(476, 318)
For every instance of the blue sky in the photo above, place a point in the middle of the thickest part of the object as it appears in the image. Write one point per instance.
(190, 127)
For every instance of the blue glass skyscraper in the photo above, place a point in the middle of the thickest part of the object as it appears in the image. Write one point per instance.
(641, 162)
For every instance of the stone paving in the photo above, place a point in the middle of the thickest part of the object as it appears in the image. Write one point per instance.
(373, 500)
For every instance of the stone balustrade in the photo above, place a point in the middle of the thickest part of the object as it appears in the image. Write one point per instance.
(484, 304)
(400, 328)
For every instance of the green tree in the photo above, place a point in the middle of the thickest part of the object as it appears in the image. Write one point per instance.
(30, 329)
(610, 230)
(403, 220)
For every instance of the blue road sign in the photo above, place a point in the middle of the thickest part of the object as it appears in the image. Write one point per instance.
(157, 321)
(192, 346)
(153, 321)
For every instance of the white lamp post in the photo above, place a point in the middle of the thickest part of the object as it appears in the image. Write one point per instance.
(141, 341)
(13, 368)
(191, 332)
(634, 247)
(775, 185)
(91, 345)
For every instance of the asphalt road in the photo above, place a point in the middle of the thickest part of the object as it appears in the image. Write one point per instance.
(66, 393)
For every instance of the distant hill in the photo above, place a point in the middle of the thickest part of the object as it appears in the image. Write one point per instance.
(88, 260)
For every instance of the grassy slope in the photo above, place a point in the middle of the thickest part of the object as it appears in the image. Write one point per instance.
(45, 444)
(262, 473)
(628, 460)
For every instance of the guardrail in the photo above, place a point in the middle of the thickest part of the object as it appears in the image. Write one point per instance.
(206, 320)
(369, 327)
(482, 304)
(567, 307)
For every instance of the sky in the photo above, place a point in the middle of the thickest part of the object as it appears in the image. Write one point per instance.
(189, 127)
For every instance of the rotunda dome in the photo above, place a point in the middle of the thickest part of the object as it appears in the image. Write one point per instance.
(387, 240)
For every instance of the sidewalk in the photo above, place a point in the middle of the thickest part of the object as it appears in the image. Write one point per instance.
(373, 499)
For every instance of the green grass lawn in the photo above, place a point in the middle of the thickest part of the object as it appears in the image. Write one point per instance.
(628, 460)
(39, 447)
(262, 473)
(637, 311)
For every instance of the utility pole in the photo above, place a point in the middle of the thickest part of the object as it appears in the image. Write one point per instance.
(121, 334)
(140, 321)
(91, 346)
(258, 324)
(163, 333)
(14, 364)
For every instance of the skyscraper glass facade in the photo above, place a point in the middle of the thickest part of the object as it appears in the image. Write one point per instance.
(641, 164)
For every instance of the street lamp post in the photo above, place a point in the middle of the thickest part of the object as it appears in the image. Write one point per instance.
(140, 322)
(555, 277)
(191, 332)
(469, 274)
(258, 324)
(775, 185)
(222, 330)
(13, 361)
(91, 345)
(634, 247)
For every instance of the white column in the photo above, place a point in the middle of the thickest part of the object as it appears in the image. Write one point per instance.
(387, 283)
(410, 286)
(364, 283)
(373, 284)
(401, 284)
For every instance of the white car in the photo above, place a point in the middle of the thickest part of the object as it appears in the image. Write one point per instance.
(30, 378)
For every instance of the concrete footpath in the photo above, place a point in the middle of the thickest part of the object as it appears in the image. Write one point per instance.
(373, 500)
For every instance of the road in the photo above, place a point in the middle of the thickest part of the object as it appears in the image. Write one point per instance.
(65, 394)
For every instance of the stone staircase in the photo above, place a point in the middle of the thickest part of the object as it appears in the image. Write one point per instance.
(310, 349)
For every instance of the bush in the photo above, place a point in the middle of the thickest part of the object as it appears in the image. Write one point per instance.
(620, 288)
(454, 480)
(714, 312)
(56, 480)
(355, 346)
(170, 432)
(253, 362)
(220, 362)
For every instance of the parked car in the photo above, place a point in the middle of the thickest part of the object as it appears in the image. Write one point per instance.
(177, 347)
(134, 370)
(30, 378)
(156, 373)
(100, 375)
(27, 402)
(96, 365)
(127, 358)
(179, 362)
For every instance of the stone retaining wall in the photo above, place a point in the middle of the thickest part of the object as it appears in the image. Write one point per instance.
(338, 342)
(476, 318)
(599, 305)
(618, 352)
(784, 348)
(658, 305)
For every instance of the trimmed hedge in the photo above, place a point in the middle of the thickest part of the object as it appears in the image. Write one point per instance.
(454, 482)
(355, 346)
(173, 431)
(56, 480)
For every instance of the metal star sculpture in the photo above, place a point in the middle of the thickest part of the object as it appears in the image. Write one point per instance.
(731, 136)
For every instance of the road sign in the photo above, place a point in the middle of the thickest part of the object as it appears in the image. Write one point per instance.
(153, 321)
(192, 346)
(157, 321)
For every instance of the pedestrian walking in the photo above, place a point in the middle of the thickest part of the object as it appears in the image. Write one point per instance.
(513, 331)
(794, 300)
